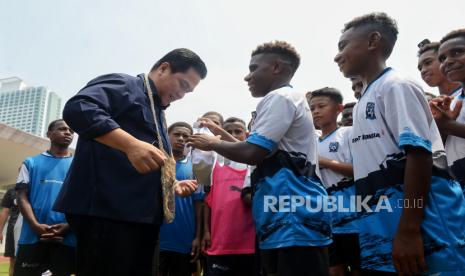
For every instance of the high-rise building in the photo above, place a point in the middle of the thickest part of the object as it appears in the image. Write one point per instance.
(28, 108)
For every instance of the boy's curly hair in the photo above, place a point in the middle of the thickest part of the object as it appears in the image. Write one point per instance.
(285, 50)
(453, 34)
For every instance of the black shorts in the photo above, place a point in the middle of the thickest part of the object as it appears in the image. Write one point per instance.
(345, 250)
(10, 243)
(33, 259)
(231, 264)
(296, 260)
(174, 263)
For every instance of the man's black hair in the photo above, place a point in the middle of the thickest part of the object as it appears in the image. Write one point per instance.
(53, 124)
(180, 124)
(349, 105)
(283, 49)
(214, 113)
(453, 34)
(231, 120)
(332, 93)
(181, 60)
(377, 22)
(425, 45)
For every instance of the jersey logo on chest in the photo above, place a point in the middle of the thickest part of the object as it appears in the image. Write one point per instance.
(333, 146)
(370, 111)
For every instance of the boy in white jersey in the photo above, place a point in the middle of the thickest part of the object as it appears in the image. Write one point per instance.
(415, 222)
(451, 121)
(283, 146)
(336, 171)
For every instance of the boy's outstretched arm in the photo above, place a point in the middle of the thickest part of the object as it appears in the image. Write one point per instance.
(242, 152)
(407, 250)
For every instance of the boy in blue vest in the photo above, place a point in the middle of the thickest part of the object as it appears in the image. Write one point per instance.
(180, 239)
(46, 241)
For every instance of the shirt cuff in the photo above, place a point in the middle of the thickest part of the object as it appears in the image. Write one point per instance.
(261, 141)
(410, 139)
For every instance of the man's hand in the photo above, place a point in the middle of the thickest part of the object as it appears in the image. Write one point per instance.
(408, 252)
(185, 187)
(145, 157)
(202, 141)
(206, 241)
(195, 252)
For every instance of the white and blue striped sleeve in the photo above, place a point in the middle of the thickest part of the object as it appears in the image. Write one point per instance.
(275, 115)
(407, 115)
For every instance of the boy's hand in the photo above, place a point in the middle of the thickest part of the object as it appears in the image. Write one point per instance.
(206, 241)
(145, 157)
(60, 229)
(42, 229)
(440, 108)
(185, 187)
(408, 252)
(208, 123)
(195, 252)
(202, 141)
(247, 198)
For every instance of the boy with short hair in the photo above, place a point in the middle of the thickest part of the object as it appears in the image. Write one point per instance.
(451, 121)
(428, 65)
(336, 171)
(215, 117)
(398, 161)
(283, 146)
(180, 240)
(228, 220)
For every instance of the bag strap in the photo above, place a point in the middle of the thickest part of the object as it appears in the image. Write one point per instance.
(154, 113)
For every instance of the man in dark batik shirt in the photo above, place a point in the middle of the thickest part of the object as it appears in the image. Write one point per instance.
(112, 196)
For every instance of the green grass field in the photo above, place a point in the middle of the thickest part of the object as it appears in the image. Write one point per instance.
(3, 269)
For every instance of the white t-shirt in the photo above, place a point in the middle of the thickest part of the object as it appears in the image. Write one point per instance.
(284, 127)
(457, 94)
(455, 146)
(391, 115)
(335, 146)
(284, 123)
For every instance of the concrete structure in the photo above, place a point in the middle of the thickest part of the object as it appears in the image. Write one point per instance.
(30, 109)
(15, 146)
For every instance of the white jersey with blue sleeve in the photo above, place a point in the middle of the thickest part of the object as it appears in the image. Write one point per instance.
(391, 115)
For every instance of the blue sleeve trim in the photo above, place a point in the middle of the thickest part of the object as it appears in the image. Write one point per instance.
(261, 141)
(410, 139)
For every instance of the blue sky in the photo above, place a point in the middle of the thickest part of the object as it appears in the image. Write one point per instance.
(63, 44)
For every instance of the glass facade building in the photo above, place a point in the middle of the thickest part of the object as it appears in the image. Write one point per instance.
(30, 109)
